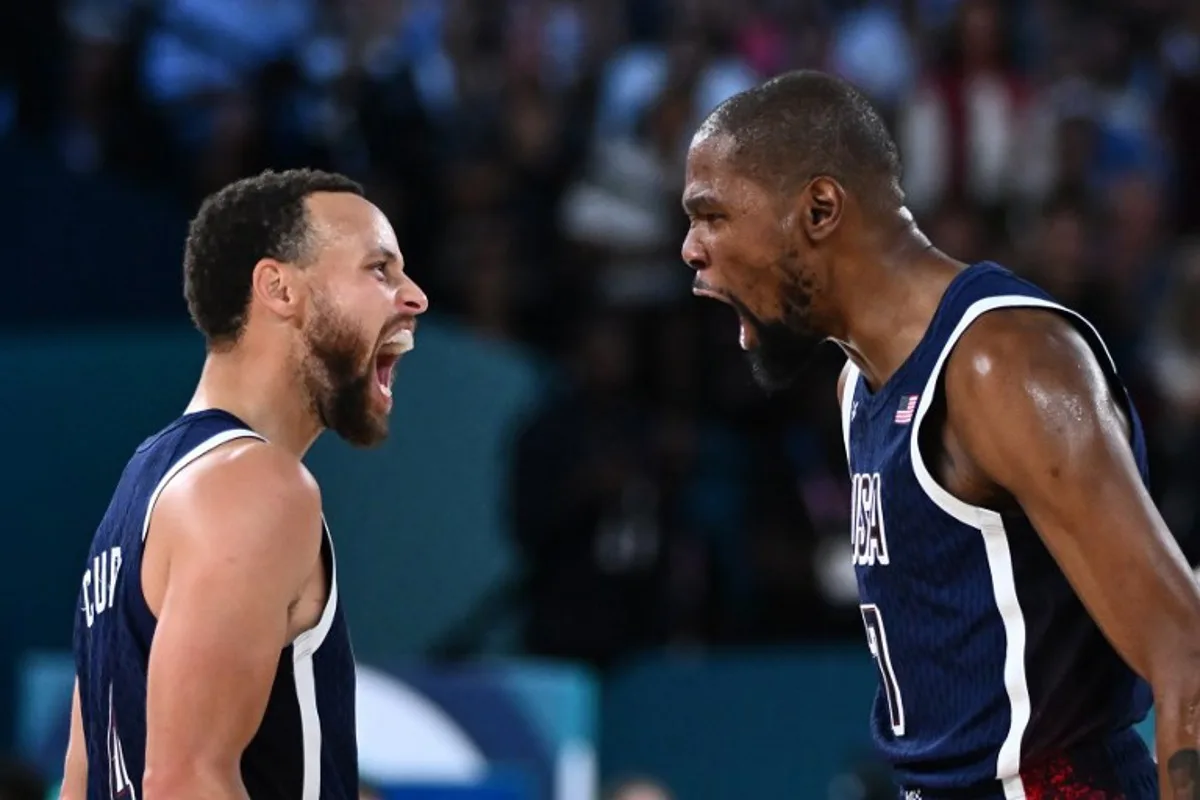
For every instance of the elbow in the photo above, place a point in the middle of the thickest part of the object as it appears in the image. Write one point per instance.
(194, 780)
(1175, 679)
(159, 784)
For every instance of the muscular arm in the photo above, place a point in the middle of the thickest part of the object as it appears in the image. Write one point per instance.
(74, 782)
(1029, 404)
(241, 533)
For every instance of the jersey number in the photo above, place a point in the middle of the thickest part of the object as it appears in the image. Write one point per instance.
(877, 641)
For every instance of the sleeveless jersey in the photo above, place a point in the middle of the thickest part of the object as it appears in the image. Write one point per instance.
(305, 747)
(987, 660)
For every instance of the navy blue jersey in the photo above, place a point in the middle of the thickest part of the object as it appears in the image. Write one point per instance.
(304, 749)
(989, 665)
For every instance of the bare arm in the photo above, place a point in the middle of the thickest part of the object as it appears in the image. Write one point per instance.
(74, 782)
(243, 533)
(1028, 402)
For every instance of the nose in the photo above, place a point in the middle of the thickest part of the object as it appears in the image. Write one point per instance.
(693, 254)
(411, 299)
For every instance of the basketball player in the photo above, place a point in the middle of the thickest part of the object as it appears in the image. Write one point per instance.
(1017, 583)
(212, 657)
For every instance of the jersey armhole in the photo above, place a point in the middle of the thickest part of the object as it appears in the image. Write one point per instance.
(308, 642)
(849, 389)
(978, 516)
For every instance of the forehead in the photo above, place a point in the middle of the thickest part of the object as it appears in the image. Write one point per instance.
(713, 179)
(348, 222)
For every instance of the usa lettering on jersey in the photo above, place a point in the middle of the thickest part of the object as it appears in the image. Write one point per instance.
(100, 584)
(868, 537)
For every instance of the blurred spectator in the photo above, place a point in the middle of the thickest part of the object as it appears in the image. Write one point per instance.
(959, 132)
(1061, 253)
(1181, 54)
(101, 35)
(872, 47)
(531, 152)
(624, 209)
(699, 52)
(594, 514)
(1174, 357)
(211, 66)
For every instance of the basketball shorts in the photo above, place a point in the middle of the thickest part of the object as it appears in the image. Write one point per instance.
(1120, 768)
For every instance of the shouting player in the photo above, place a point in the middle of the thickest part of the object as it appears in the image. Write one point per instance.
(1021, 594)
(211, 654)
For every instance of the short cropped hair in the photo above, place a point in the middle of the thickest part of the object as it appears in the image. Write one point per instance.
(802, 124)
(263, 216)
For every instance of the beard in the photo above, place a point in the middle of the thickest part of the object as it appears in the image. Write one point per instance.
(785, 347)
(339, 373)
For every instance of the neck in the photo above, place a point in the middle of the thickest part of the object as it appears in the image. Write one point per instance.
(881, 327)
(270, 399)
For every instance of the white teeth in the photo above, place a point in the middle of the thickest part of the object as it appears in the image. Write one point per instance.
(403, 338)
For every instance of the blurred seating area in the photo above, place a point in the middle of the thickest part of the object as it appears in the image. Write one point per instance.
(530, 154)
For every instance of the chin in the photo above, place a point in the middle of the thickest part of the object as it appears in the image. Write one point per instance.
(777, 368)
(771, 377)
(363, 438)
(367, 427)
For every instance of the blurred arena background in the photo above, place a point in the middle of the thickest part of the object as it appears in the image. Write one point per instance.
(593, 558)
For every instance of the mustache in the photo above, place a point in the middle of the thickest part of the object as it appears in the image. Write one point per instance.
(398, 322)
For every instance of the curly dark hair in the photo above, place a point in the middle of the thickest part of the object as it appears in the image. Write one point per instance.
(259, 217)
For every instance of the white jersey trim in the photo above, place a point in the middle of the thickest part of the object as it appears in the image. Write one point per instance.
(205, 447)
(304, 646)
(990, 524)
(849, 389)
(303, 649)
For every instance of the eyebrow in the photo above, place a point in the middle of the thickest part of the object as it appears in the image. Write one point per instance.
(386, 254)
(697, 200)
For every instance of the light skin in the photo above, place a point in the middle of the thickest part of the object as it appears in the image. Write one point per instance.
(232, 567)
(1056, 439)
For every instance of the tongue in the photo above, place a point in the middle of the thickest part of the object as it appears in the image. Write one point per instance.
(383, 374)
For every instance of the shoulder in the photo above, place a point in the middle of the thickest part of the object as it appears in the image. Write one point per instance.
(1024, 388)
(246, 495)
(1012, 351)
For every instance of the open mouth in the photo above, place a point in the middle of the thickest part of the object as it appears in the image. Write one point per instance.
(747, 337)
(388, 356)
(385, 372)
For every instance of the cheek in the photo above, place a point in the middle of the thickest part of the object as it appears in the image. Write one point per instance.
(754, 277)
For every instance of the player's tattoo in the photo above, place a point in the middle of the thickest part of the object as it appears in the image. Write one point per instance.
(1183, 770)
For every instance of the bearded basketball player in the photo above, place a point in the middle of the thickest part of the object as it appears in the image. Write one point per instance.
(212, 656)
(1022, 598)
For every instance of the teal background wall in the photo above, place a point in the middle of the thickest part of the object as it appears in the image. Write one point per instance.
(755, 724)
(421, 535)
(418, 522)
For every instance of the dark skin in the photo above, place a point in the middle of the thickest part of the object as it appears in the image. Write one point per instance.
(1028, 418)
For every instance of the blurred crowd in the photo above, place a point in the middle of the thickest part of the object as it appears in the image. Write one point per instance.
(531, 154)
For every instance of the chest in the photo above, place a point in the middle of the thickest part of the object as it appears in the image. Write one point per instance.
(905, 470)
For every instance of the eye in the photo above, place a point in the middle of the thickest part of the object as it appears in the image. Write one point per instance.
(380, 269)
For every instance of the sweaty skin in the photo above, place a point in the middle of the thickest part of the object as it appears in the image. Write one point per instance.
(1030, 420)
